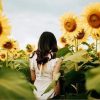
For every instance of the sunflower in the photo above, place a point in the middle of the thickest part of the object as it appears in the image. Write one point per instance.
(69, 38)
(82, 36)
(63, 40)
(10, 45)
(91, 20)
(16, 54)
(3, 55)
(4, 27)
(30, 48)
(70, 24)
(23, 54)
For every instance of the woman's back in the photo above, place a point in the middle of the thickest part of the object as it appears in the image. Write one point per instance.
(44, 76)
(43, 71)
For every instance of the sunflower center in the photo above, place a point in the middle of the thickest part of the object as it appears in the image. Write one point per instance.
(3, 56)
(29, 50)
(94, 20)
(0, 29)
(8, 45)
(70, 25)
(98, 35)
(81, 35)
(63, 40)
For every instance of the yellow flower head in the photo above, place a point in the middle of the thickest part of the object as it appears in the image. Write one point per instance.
(9, 45)
(4, 27)
(70, 24)
(91, 20)
(30, 48)
(82, 36)
(23, 54)
(63, 41)
(16, 54)
(3, 55)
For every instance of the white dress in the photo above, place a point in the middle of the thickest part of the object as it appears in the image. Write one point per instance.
(43, 77)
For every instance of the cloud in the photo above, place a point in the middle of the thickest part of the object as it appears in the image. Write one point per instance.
(27, 28)
(29, 18)
(55, 7)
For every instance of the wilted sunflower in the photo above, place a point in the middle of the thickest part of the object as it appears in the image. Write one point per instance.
(91, 20)
(4, 27)
(70, 24)
(9, 45)
(3, 55)
(30, 48)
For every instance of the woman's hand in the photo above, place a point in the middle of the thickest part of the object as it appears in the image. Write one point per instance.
(57, 89)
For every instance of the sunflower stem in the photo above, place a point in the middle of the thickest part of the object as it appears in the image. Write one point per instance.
(76, 66)
(13, 61)
(7, 60)
(96, 46)
(76, 44)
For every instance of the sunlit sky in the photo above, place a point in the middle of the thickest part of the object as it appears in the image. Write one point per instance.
(29, 18)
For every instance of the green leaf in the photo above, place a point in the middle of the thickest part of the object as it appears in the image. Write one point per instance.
(85, 43)
(22, 62)
(78, 57)
(73, 77)
(68, 66)
(93, 79)
(26, 72)
(77, 97)
(62, 52)
(67, 55)
(13, 86)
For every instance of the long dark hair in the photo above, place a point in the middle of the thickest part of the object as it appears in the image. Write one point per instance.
(47, 45)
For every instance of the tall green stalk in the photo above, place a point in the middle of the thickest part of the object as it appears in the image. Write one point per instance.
(7, 60)
(96, 46)
(76, 44)
(12, 60)
(76, 65)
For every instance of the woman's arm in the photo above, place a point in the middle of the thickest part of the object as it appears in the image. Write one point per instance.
(55, 72)
(32, 70)
(33, 76)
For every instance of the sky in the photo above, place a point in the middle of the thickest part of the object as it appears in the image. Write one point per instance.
(29, 18)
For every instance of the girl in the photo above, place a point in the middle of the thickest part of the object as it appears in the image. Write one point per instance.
(44, 65)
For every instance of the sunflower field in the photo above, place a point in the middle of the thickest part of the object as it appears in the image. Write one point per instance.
(79, 75)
